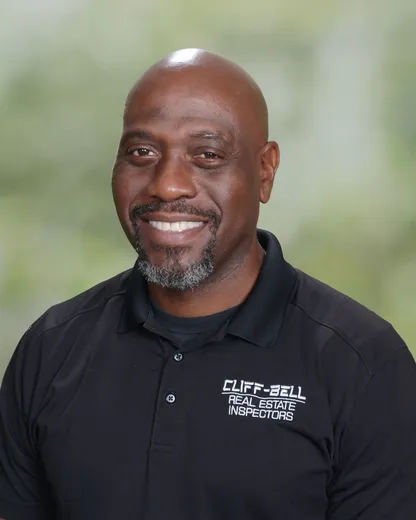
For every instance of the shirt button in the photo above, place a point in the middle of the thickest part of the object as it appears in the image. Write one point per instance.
(170, 398)
(178, 357)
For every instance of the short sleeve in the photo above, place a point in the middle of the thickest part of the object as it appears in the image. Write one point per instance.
(22, 482)
(375, 478)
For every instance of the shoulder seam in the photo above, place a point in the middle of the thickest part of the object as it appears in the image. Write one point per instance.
(84, 311)
(338, 333)
(364, 386)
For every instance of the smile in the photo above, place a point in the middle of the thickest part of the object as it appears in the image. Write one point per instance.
(175, 227)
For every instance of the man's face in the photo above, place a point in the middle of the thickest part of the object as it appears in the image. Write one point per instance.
(185, 182)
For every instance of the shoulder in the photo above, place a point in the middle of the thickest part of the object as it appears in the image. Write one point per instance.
(349, 346)
(60, 340)
(85, 304)
(350, 327)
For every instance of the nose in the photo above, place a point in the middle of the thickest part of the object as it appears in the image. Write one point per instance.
(172, 179)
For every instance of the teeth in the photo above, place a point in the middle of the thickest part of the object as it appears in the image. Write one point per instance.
(174, 226)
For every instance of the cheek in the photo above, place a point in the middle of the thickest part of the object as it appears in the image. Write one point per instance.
(120, 194)
(239, 196)
(124, 194)
(239, 204)
(125, 190)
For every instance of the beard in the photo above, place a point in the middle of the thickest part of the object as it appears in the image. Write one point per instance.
(173, 274)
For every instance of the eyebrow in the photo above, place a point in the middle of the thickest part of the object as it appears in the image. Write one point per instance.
(212, 136)
(197, 134)
(138, 134)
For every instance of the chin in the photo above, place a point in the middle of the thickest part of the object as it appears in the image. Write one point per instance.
(178, 276)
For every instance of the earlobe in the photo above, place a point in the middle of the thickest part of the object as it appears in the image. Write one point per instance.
(270, 160)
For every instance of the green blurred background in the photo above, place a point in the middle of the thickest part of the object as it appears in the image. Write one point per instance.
(340, 80)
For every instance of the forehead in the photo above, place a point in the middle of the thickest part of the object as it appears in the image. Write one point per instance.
(181, 104)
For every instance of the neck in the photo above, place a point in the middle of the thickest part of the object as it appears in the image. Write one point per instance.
(228, 289)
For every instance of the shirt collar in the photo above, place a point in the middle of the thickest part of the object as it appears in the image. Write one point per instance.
(259, 318)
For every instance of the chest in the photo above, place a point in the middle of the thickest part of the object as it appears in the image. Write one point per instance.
(231, 433)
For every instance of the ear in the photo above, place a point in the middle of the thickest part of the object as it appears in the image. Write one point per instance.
(270, 159)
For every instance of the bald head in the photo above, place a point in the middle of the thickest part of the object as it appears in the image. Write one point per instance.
(208, 74)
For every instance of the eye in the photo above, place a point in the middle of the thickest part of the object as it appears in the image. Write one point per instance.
(209, 155)
(141, 152)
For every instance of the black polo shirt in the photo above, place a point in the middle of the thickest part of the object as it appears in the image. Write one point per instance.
(301, 406)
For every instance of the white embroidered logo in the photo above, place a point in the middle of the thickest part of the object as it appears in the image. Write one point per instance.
(250, 399)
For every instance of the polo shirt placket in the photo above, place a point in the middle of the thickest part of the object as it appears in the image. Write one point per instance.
(164, 456)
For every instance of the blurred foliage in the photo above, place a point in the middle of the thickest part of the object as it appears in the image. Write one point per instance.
(340, 80)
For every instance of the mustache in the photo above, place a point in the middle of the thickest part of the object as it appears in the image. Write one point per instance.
(174, 207)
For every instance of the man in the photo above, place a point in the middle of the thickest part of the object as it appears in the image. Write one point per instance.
(213, 380)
